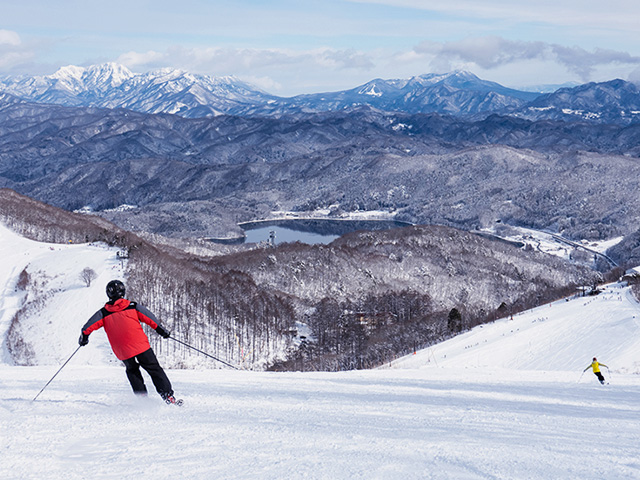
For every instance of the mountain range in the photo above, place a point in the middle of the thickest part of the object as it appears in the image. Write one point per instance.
(162, 91)
(200, 177)
(194, 96)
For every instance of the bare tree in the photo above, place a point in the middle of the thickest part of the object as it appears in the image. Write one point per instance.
(88, 275)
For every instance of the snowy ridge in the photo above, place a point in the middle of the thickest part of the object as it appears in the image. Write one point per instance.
(457, 93)
(76, 80)
(111, 85)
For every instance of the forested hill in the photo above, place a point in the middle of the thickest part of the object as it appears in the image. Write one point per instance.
(360, 301)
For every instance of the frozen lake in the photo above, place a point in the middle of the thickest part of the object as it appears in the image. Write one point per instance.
(311, 231)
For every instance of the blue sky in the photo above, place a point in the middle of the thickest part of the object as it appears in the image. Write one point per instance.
(289, 47)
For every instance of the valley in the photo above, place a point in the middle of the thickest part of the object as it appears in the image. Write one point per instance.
(199, 178)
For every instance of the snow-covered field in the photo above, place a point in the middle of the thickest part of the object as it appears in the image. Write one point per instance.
(554, 244)
(504, 401)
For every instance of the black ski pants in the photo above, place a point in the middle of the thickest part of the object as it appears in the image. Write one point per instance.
(600, 377)
(149, 362)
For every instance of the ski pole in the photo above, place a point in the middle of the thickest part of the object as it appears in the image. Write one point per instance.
(581, 376)
(59, 370)
(204, 353)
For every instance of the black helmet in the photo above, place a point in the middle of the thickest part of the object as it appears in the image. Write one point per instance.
(115, 290)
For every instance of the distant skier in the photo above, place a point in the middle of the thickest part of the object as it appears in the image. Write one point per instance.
(595, 365)
(121, 321)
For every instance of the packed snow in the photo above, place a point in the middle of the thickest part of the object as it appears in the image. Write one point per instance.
(507, 400)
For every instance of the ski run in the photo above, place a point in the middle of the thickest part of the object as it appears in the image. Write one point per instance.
(507, 400)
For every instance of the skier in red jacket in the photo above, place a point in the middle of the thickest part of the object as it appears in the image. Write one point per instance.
(121, 321)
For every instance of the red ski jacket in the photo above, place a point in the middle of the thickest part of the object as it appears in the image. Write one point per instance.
(121, 322)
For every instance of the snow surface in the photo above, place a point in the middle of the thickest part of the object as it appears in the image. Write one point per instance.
(504, 401)
(563, 335)
(56, 268)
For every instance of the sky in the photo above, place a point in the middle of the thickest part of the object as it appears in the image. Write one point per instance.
(289, 47)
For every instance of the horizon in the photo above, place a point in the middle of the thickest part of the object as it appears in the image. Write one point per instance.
(290, 48)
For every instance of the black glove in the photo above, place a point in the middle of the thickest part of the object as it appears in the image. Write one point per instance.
(162, 332)
(83, 340)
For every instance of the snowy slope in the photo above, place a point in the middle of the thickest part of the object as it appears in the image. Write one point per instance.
(563, 335)
(384, 424)
(52, 329)
(504, 401)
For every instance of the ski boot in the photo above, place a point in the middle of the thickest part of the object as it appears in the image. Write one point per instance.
(171, 400)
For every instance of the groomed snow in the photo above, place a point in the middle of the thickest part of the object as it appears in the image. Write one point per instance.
(504, 401)
(563, 335)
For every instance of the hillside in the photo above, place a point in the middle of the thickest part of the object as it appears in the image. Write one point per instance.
(561, 335)
(44, 300)
(152, 275)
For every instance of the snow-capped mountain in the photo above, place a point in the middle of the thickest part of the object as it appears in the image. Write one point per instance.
(173, 91)
(190, 95)
(464, 94)
(70, 85)
(185, 94)
(162, 91)
(99, 78)
(455, 93)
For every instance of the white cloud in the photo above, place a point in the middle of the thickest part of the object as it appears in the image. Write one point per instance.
(13, 53)
(491, 52)
(583, 62)
(486, 52)
(8, 37)
(290, 72)
(264, 83)
(634, 76)
(244, 59)
(270, 69)
(133, 60)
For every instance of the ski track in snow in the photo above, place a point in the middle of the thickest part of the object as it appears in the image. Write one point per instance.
(503, 401)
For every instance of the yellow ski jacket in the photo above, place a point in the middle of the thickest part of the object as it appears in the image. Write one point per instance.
(595, 366)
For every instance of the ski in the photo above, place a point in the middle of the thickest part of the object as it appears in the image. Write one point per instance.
(174, 401)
